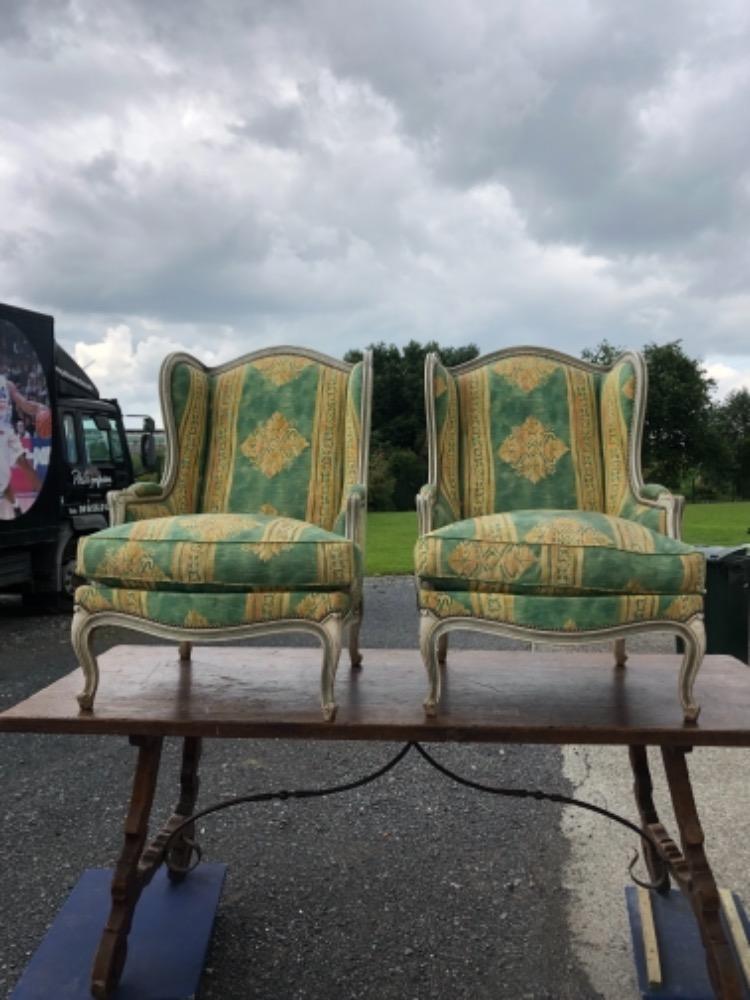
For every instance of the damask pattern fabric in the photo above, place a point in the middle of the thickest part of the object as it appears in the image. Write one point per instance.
(536, 433)
(277, 439)
(557, 552)
(561, 613)
(213, 610)
(266, 456)
(529, 436)
(219, 552)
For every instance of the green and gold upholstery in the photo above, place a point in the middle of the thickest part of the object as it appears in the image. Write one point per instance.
(535, 516)
(557, 552)
(259, 516)
(182, 609)
(201, 553)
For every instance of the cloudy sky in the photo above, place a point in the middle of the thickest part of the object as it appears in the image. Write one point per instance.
(221, 176)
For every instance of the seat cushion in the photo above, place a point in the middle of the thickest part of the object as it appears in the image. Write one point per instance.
(219, 552)
(557, 552)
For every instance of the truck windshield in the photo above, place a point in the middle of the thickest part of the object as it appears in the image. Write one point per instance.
(101, 445)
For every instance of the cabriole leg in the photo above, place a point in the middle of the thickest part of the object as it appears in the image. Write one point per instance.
(427, 625)
(695, 648)
(81, 633)
(332, 639)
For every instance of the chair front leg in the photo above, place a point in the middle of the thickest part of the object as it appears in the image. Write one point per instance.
(333, 632)
(427, 645)
(695, 648)
(82, 629)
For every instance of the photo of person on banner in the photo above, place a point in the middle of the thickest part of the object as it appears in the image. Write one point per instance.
(25, 424)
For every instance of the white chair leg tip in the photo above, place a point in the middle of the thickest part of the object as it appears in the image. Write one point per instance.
(329, 711)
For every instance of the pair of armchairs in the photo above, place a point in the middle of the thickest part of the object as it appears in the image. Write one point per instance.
(535, 522)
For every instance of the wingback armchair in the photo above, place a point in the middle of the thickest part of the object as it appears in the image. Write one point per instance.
(535, 522)
(258, 524)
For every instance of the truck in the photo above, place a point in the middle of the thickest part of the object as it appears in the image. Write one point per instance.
(62, 449)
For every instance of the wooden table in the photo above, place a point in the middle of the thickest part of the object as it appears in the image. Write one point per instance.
(147, 694)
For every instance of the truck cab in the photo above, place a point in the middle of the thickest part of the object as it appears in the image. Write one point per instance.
(74, 451)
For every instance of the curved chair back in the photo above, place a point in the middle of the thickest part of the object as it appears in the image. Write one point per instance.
(278, 431)
(529, 428)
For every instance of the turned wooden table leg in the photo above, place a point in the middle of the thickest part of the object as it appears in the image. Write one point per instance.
(180, 853)
(127, 882)
(644, 796)
(700, 886)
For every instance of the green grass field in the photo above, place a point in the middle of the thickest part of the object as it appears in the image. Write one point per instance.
(717, 523)
(391, 535)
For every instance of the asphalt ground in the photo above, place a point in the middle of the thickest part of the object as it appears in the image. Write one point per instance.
(408, 889)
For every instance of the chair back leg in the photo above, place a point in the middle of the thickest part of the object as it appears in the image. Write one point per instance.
(620, 655)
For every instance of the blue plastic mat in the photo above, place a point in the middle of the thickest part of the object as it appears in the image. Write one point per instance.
(683, 961)
(167, 944)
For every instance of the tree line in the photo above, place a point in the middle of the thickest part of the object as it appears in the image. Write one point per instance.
(692, 442)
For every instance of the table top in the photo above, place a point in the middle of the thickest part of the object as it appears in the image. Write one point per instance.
(488, 696)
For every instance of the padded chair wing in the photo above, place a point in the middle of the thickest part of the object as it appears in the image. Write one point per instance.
(184, 389)
(623, 395)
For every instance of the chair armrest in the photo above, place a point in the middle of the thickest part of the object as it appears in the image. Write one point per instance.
(426, 501)
(652, 491)
(138, 502)
(433, 509)
(355, 510)
(656, 507)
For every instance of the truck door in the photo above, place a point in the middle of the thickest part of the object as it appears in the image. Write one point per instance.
(95, 463)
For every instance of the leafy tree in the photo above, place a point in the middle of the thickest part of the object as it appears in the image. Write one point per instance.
(679, 434)
(398, 417)
(381, 482)
(409, 473)
(683, 443)
(733, 426)
(603, 354)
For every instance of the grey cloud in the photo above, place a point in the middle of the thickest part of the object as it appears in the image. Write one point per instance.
(336, 175)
